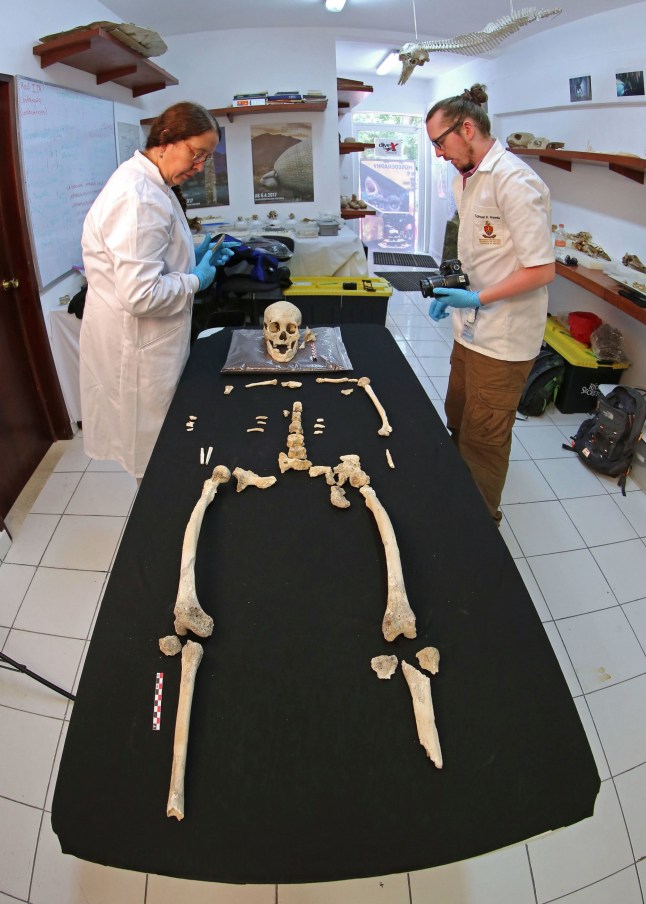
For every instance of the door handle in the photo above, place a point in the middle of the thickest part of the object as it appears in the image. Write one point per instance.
(10, 284)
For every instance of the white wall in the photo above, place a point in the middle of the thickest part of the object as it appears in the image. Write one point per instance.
(528, 87)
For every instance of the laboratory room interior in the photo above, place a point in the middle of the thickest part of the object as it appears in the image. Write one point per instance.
(571, 77)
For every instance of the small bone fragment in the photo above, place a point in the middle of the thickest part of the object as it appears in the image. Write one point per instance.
(291, 384)
(191, 658)
(262, 417)
(250, 479)
(399, 618)
(297, 452)
(385, 429)
(170, 645)
(255, 429)
(228, 389)
(318, 432)
(192, 417)
(389, 459)
(320, 470)
(310, 335)
(320, 420)
(384, 666)
(285, 412)
(337, 497)
(202, 455)
(420, 690)
(262, 383)
(295, 439)
(208, 455)
(336, 380)
(189, 615)
(350, 470)
(347, 391)
(429, 659)
(292, 464)
(190, 424)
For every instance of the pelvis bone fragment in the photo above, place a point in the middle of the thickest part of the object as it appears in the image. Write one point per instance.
(420, 690)
(189, 615)
(399, 618)
(191, 658)
(251, 479)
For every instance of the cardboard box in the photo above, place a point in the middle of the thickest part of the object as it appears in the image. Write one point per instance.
(583, 372)
(330, 300)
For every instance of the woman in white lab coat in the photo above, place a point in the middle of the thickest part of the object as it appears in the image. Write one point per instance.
(142, 274)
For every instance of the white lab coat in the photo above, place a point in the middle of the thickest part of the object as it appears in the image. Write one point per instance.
(505, 224)
(135, 333)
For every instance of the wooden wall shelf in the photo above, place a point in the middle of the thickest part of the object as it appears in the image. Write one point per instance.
(350, 93)
(353, 147)
(631, 167)
(602, 286)
(232, 112)
(349, 213)
(95, 51)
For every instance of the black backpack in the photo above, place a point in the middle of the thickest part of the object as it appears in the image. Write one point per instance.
(544, 381)
(607, 441)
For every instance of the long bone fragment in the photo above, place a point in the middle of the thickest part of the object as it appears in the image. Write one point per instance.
(189, 615)
(337, 380)
(399, 618)
(385, 429)
(261, 383)
(420, 690)
(191, 658)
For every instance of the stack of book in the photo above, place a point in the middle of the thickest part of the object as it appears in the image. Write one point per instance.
(314, 96)
(254, 99)
(285, 97)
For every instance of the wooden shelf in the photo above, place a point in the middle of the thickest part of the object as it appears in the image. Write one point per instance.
(232, 112)
(350, 93)
(602, 286)
(349, 213)
(631, 167)
(352, 147)
(95, 51)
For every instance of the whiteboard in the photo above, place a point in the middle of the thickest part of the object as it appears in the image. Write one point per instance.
(68, 153)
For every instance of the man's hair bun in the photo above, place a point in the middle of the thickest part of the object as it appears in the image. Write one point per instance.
(476, 94)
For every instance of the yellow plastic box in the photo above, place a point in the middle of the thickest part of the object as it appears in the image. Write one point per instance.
(340, 299)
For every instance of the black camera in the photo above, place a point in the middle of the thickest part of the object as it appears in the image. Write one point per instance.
(450, 276)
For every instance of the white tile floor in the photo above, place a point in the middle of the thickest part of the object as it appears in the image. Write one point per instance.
(579, 546)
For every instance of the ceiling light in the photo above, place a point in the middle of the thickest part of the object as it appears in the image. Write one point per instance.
(334, 6)
(388, 63)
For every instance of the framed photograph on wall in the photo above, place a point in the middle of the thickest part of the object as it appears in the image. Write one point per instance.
(210, 188)
(630, 84)
(580, 88)
(282, 161)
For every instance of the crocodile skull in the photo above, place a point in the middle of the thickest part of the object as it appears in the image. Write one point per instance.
(281, 330)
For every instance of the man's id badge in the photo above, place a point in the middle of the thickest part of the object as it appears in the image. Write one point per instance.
(469, 326)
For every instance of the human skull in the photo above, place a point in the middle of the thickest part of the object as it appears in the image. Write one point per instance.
(281, 329)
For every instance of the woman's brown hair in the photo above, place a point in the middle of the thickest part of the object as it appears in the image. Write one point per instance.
(181, 121)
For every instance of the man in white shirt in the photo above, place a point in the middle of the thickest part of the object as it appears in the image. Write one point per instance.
(505, 245)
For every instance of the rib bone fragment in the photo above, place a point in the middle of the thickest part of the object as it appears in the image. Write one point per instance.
(191, 658)
(420, 690)
(399, 618)
(385, 429)
(262, 383)
(189, 615)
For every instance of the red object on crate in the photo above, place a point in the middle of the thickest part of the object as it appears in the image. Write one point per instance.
(582, 324)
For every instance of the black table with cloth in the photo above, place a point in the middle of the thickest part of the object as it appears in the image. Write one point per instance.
(302, 765)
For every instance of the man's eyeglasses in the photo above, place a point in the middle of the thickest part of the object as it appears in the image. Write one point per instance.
(438, 142)
(198, 156)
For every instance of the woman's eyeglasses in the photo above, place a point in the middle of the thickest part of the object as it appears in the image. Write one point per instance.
(198, 156)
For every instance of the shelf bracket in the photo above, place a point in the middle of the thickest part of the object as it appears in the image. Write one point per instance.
(560, 164)
(635, 175)
(138, 90)
(111, 75)
(59, 54)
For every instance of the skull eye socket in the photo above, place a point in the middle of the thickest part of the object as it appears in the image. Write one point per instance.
(291, 328)
(273, 327)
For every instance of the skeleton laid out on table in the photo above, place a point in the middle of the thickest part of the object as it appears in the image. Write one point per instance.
(282, 334)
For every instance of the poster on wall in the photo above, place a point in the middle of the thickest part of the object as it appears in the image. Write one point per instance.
(128, 140)
(580, 88)
(388, 185)
(630, 84)
(282, 161)
(210, 188)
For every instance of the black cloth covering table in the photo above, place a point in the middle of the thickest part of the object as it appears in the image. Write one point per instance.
(302, 765)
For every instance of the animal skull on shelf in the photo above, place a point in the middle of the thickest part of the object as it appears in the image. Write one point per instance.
(281, 329)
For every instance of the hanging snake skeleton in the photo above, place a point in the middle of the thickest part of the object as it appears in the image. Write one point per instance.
(472, 44)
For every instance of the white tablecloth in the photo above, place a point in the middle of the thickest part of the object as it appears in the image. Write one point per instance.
(65, 332)
(329, 255)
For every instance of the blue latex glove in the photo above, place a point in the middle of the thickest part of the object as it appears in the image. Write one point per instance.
(224, 252)
(437, 310)
(201, 250)
(457, 298)
(205, 272)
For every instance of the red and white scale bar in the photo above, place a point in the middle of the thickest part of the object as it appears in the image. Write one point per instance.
(159, 686)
